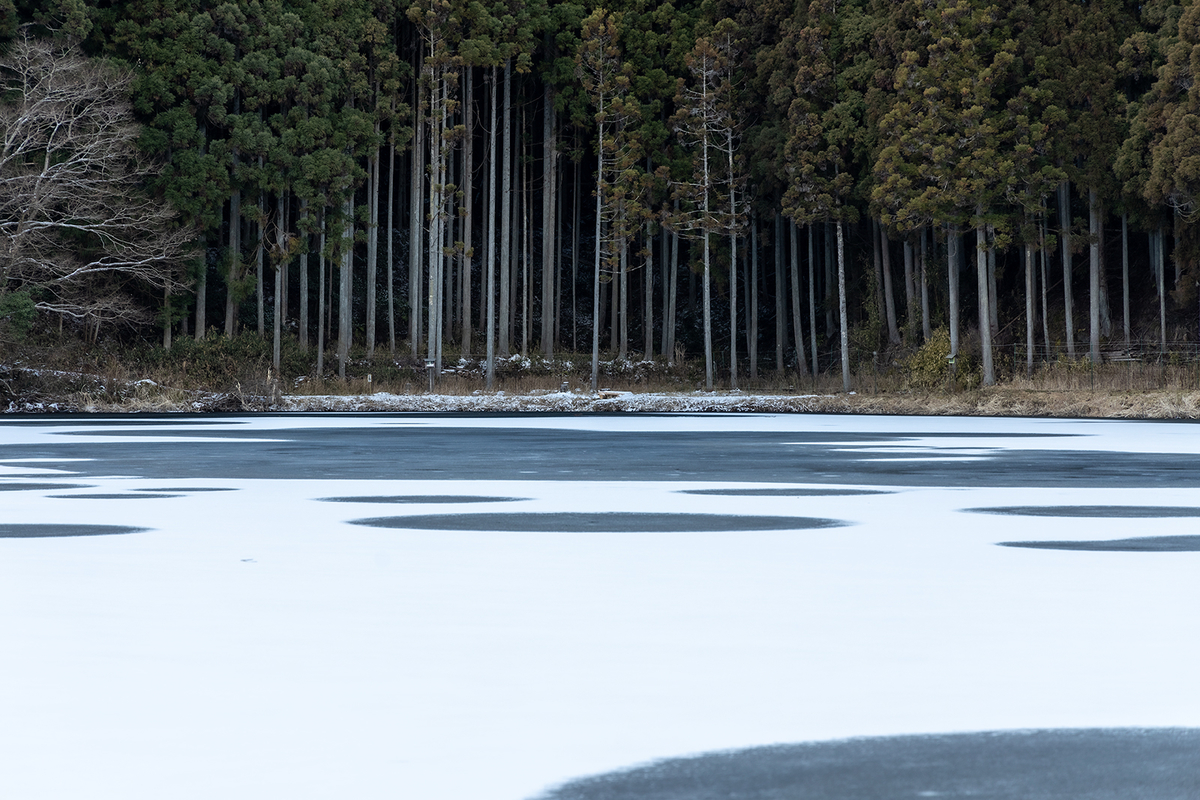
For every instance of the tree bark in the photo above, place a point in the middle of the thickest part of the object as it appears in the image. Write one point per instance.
(889, 295)
(985, 328)
(506, 215)
(752, 299)
(345, 324)
(953, 243)
(549, 183)
(845, 331)
(926, 330)
(1064, 222)
(1125, 272)
(372, 245)
(780, 309)
(1094, 277)
(490, 248)
(797, 324)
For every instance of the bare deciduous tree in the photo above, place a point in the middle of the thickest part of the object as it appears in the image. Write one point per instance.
(75, 219)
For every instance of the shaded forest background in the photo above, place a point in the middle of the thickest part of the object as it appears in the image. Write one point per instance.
(768, 185)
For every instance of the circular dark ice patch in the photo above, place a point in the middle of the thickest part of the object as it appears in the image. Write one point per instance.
(143, 496)
(1082, 764)
(784, 492)
(1092, 512)
(422, 498)
(39, 531)
(41, 487)
(621, 522)
(1141, 544)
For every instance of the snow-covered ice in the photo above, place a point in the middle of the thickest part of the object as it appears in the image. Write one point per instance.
(252, 644)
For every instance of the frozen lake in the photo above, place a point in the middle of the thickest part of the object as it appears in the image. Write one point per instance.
(490, 607)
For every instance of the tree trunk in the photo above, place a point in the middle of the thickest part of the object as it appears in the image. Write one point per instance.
(321, 297)
(1125, 272)
(506, 215)
(549, 183)
(201, 302)
(993, 307)
(575, 262)
(490, 242)
(648, 298)
(305, 246)
(280, 279)
(1064, 222)
(416, 230)
(345, 324)
(797, 324)
(910, 294)
(1029, 309)
(1094, 277)
(926, 330)
(985, 328)
(596, 274)
(780, 309)
(752, 298)
(733, 316)
(889, 296)
(258, 259)
(845, 331)
(235, 258)
(1045, 288)
(672, 303)
(812, 304)
(372, 245)
(391, 266)
(953, 243)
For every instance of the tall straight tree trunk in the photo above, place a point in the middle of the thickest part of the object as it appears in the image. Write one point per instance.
(306, 245)
(830, 284)
(235, 257)
(752, 299)
(201, 301)
(910, 297)
(391, 264)
(889, 295)
(797, 325)
(780, 312)
(506, 215)
(345, 324)
(993, 307)
(490, 242)
(953, 243)
(672, 303)
(1029, 308)
(549, 245)
(1161, 270)
(1045, 287)
(321, 297)
(733, 315)
(416, 227)
(526, 256)
(258, 258)
(575, 260)
(468, 181)
(985, 327)
(845, 330)
(1094, 277)
(812, 303)
(1125, 272)
(926, 330)
(648, 298)
(372, 244)
(596, 273)
(623, 310)
(280, 279)
(664, 261)
(877, 263)
(1064, 222)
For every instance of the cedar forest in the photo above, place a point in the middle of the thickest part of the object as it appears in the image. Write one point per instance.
(776, 185)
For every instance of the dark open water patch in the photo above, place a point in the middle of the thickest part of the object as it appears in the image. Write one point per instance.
(1092, 764)
(1141, 544)
(1092, 512)
(114, 496)
(422, 498)
(621, 522)
(40, 531)
(784, 492)
(41, 487)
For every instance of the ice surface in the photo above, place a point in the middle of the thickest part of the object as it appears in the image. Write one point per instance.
(252, 644)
